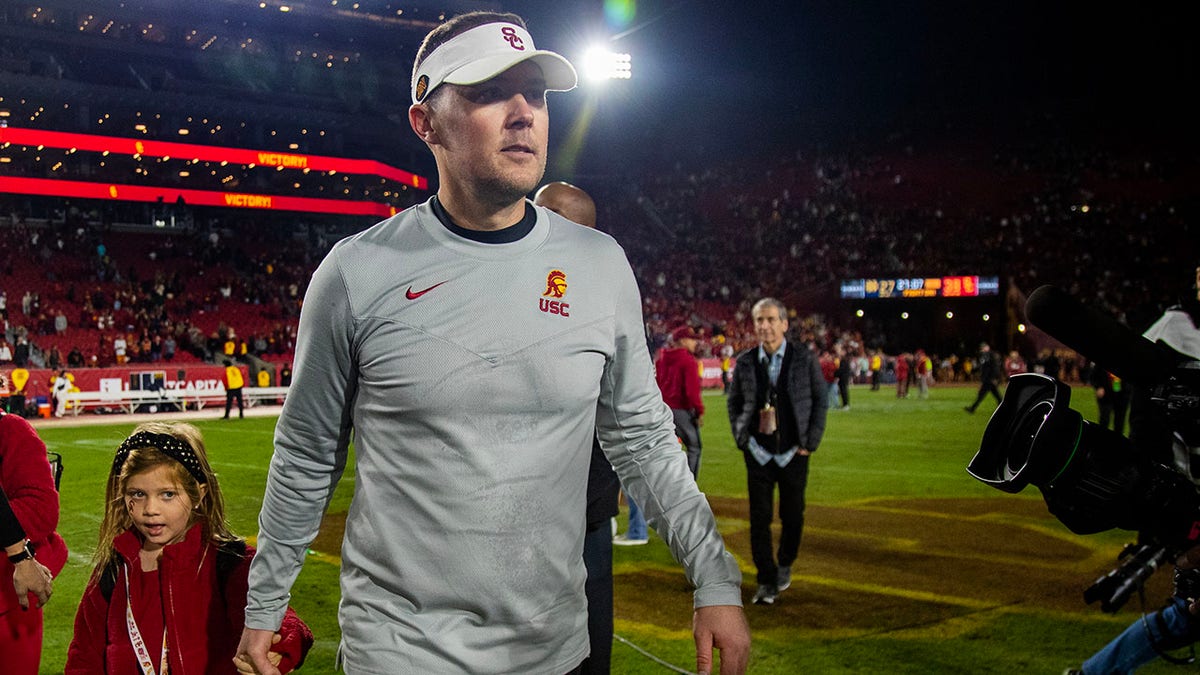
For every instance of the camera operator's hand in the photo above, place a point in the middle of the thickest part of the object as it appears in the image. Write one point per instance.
(1190, 560)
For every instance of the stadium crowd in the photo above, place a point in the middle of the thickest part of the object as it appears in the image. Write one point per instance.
(85, 296)
(703, 242)
(1048, 202)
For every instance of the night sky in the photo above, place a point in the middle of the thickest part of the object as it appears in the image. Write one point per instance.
(714, 79)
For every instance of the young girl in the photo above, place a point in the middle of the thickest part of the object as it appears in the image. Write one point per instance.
(168, 593)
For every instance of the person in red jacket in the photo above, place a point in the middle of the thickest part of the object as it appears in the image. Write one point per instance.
(902, 376)
(34, 551)
(678, 376)
(829, 366)
(168, 593)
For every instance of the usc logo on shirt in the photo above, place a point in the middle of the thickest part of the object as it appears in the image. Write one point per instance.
(556, 284)
(556, 287)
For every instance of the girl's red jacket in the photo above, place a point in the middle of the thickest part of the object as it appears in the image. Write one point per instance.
(204, 616)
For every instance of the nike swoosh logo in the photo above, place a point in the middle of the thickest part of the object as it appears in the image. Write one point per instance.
(413, 296)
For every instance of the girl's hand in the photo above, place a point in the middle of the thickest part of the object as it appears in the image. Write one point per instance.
(253, 653)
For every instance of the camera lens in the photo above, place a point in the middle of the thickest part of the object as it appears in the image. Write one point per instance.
(1020, 444)
(1025, 432)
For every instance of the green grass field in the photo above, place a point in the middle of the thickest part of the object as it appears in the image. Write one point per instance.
(908, 564)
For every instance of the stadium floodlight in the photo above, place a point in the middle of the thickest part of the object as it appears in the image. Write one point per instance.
(600, 64)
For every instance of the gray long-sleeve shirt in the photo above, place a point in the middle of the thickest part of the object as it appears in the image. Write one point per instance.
(472, 376)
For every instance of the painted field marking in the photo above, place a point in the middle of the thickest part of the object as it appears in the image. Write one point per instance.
(235, 465)
(310, 554)
(908, 594)
(1099, 551)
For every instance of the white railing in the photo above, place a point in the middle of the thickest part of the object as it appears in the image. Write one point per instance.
(130, 400)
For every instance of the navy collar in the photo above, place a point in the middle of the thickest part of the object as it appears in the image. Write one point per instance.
(508, 235)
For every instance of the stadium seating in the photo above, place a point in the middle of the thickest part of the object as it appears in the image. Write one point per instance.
(704, 241)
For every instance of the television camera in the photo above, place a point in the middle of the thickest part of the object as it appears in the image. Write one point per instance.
(1094, 479)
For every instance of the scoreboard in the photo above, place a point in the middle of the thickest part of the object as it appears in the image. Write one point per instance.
(921, 287)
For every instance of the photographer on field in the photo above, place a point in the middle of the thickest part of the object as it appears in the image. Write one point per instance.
(1176, 625)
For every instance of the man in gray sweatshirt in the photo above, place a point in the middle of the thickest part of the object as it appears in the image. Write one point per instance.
(471, 344)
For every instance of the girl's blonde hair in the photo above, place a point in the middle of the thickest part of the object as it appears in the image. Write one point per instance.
(141, 455)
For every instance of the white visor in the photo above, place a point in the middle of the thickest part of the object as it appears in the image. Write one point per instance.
(484, 52)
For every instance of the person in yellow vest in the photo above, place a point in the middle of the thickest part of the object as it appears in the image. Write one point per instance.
(726, 364)
(233, 388)
(229, 346)
(876, 369)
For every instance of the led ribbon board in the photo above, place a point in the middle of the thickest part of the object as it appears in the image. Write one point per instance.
(206, 153)
(146, 193)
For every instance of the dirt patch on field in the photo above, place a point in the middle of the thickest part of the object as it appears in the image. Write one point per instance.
(880, 566)
(894, 564)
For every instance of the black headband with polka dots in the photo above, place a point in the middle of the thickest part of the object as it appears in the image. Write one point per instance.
(168, 445)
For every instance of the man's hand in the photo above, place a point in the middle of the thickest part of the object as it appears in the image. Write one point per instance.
(253, 655)
(1190, 560)
(722, 627)
(31, 576)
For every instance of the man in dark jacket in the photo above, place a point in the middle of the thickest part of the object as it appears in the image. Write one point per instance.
(1112, 398)
(603, 487)
(777, 405)
(989, 373)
